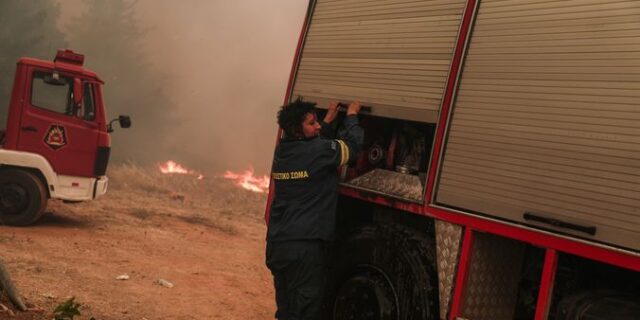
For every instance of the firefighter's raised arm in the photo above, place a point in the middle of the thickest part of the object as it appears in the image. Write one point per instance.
(354, 108)
(332, 112)
(328, 127)
(351, 137)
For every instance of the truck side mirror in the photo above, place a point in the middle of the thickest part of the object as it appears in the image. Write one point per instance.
(124, 121)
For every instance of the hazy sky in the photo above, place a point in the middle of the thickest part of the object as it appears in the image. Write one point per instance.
(227, 63)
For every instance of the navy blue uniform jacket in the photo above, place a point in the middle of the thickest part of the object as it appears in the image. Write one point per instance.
(306, 183)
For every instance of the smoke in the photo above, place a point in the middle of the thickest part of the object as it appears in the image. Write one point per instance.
(224, 66)
(27, 28)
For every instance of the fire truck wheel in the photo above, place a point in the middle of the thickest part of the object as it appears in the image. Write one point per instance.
(23, 197)
(383, 273)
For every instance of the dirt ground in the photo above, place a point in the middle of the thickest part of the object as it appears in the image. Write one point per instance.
(206, 237)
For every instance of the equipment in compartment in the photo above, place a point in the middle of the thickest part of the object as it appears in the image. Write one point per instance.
(390, 183)
(394, 159)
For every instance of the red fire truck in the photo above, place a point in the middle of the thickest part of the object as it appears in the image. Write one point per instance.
(56, 144)
(500, 177)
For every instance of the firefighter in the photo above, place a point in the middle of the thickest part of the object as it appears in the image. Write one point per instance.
(301, 223)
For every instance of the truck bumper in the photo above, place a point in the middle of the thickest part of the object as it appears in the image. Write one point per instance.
(100, 187)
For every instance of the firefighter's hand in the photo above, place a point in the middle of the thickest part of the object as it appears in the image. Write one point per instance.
(332, 112)
(354, 108)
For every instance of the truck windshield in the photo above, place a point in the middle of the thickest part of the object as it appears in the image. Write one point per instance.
(52, 93)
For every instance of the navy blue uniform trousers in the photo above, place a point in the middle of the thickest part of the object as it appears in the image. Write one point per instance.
(299, 274)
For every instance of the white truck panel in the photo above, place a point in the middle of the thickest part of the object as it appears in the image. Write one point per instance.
(60, 186)
(31, 160)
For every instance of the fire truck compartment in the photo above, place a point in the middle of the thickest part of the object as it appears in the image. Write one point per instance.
(545, 129)
(394, 57)
(394, 159)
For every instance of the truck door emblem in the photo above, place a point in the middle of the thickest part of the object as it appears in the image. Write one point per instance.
(56, 137)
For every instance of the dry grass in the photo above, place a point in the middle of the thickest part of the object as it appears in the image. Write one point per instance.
(207, 236)
(144, 193)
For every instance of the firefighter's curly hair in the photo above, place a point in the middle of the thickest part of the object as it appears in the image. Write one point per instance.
(291, 116)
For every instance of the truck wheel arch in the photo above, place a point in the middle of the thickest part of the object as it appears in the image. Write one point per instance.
(36, 172)
(395, 263)
(26, 197)
(33, 163)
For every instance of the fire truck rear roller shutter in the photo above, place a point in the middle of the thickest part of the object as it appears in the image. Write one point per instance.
(546, 117)
(393, 55)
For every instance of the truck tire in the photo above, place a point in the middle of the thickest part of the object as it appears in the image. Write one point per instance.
(599, 305)
(383, 273)
(23, 197)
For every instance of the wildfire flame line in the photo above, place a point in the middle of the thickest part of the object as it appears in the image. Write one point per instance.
(174, 167)
(248, 181)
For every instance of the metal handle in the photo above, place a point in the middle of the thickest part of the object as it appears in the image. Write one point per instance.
(30, 128)
(363, 109)
(591, 230)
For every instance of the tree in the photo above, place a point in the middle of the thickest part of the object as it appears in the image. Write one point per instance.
(110, 36)
(27, 28)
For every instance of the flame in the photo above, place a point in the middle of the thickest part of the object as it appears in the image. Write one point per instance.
(170, 167)
(248, 181)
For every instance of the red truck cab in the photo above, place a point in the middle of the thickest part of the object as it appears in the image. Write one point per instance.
(57, 131)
